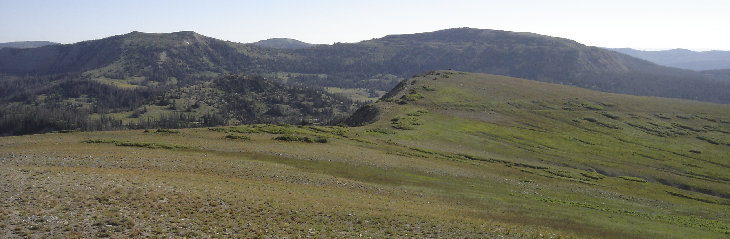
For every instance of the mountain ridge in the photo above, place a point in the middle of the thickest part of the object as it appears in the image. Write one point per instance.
(362, 65)
(683, 58)
(141, 69)
(27, 44)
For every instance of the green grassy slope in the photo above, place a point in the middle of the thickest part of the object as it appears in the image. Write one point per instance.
(670, 141)
(450, 154)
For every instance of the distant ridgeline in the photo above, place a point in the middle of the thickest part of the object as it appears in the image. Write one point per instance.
(683, 58)
(26, 44)
(141, 72)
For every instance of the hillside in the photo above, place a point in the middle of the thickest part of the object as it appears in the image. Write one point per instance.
(283, 43)
(373, 66)
(683, 58)
(73, 102)
(26, 44)
(570, 117)
(445, 155)
(723, 74)
(523, 55)
(174, 58)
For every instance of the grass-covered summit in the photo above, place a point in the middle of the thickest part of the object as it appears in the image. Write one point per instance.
(674, 142)
(446, 154)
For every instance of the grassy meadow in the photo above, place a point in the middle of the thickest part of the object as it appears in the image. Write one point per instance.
(451, 154)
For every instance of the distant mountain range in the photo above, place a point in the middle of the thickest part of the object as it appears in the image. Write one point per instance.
(128, 74)
(683, 58)
(26, 44)
(370, 65)
(283, 43)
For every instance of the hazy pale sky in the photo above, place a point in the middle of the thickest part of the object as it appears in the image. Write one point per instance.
(643, 24)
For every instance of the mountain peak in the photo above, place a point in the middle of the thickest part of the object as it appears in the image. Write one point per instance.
(283, 43)
(191, 33)
(489, 36)
(164, 40)
(137, 33)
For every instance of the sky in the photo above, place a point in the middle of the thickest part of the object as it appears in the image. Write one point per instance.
(640, 24)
